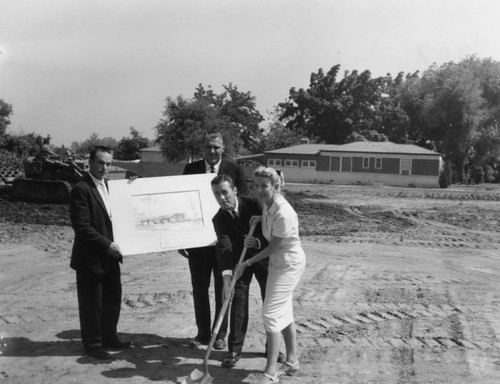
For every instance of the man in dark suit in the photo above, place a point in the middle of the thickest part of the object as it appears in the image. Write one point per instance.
(96, 258)
(231, 224)
(202, 261)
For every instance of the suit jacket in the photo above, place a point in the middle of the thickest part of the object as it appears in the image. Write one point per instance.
(231, 233)
(92, 226)
(226, 168)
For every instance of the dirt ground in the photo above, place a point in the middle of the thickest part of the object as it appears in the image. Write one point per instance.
(401, 286)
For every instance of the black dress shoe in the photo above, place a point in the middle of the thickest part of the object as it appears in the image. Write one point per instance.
(118, 345)
(231, 360)
(197, 342)
(98, 353)
(219, 344)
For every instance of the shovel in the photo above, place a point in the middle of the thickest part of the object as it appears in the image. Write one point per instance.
(197, 376)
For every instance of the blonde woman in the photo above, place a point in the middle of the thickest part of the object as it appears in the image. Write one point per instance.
(287, 261)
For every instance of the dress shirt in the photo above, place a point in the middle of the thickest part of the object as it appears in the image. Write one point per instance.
(216, 167)
(103, 191)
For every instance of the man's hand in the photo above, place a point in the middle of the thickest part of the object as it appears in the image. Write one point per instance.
(184, 253)
(115, 252)
(251, 242)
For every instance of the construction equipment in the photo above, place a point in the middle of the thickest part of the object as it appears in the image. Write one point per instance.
(197, 376)
(48, 179)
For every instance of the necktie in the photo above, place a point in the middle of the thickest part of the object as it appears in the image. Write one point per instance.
(235, 214)
(212, 169)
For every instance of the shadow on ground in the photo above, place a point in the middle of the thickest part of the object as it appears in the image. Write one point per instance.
(154, 357)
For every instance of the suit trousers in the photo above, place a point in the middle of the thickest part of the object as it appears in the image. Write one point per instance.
(240, 305)
(99, 302)
(202, 263)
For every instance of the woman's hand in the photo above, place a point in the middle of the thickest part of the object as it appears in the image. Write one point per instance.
(254, 220)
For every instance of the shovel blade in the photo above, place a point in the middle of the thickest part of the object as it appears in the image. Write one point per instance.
(198, 377)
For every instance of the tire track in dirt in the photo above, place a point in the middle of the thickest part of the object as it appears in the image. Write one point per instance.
(360, 330)
(367, 316)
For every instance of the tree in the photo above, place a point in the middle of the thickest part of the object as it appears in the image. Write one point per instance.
(366, 135)
(26, 145)
(239, 108)
(278, 135)
(84, 147)
(332, 110)
(233, 113)
(395, 123)
(5, 112)
(455, 106)
(181, 133)
(129, 148)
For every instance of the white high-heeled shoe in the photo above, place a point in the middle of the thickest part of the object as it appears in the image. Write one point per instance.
(288, 369)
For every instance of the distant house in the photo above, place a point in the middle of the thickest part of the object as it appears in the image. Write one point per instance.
(358, 163)
(152, 164)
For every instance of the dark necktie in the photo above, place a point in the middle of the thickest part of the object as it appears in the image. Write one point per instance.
(212, 169)
(236, 215)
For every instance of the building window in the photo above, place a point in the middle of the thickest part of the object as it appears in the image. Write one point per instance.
(291, 163)
(366, 162)
(274, 162)
(378, 163)
(405, 166)
(335, 163)
(309, 163)
(346, 164)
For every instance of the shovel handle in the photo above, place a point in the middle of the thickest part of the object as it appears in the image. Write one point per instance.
(226, 301)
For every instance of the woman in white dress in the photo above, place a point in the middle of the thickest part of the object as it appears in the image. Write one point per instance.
(286, 265)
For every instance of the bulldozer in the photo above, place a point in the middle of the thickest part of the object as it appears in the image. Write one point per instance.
(48, 179)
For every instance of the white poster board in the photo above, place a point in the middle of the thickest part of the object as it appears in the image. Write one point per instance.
(162, 213)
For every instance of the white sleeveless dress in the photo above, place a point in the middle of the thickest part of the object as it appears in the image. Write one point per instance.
(285, 266)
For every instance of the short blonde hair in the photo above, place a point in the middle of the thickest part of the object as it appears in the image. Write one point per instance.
(269, 173)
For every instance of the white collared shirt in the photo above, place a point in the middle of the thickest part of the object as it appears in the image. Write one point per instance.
(216, 167)
(103, 191)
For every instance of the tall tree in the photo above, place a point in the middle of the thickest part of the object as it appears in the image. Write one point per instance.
(455, 106)
(395, 123)
(186, 121)
(240, 109)
(331, 109)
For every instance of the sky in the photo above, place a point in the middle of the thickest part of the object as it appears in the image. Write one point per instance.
(70, 68)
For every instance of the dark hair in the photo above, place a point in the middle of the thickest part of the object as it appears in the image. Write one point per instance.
(99, 148)
(219, 179)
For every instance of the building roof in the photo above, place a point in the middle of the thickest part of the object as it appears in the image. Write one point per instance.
(359, 146)
(306, 149)
(385, 147)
